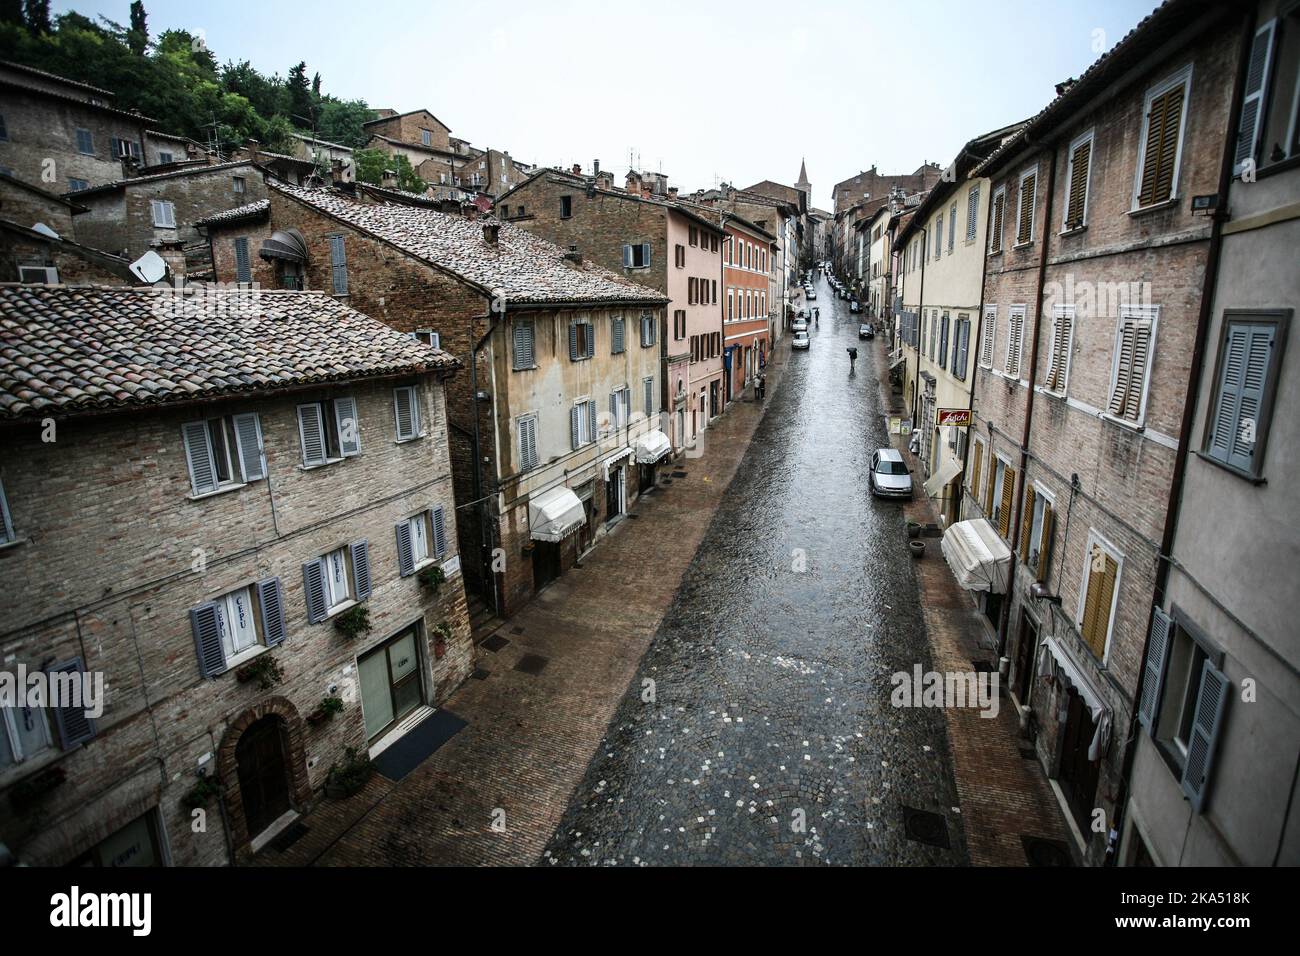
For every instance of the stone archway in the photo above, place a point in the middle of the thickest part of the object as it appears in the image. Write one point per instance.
(227, 766)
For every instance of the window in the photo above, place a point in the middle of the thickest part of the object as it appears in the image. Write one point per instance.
(1134, 339)
(243, 266)
(77, 185)
(1036, 531)
(961, 345)
(731, 311)
(618, 329)
(636, 256)
(24, 733)
(938, 236)
(338, 265)
(582, 423)
(528, 443)
(1160, 149)
(1244, 386)
(1270, 115)
(943, 341)
(34, 274)
(1076, 203)
(406, 413)
(234, 625)
(1183, 699)
(428, 337)
(4, 130)
(7, 535)
(1015, 340)
(582, 341)
(694, 236)
(125, 148)
(336, 580)
(165, 158)
(988, 329)
(1025, 209)
(620, 406)
(647, 330)
(85, 142)
(952, 227)
(679, 324)
(713, 243)
(240, 185)
(1098, 595)
(976, 467)
(1058, 367)
(1002, 489)
(679, 256)
(649, 385)
(223, 452)
(566, 207)
(329, 431)
(426, 137)
(421, 540)
(164, 213)
(972, 213)
(523, 357)
(999, 214)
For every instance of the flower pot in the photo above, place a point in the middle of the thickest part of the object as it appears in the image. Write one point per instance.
(317, 716)
(913, 530)
(917, 548)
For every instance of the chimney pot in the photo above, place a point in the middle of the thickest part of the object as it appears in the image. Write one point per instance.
(577, 169)
(491, 232)
(595, 167)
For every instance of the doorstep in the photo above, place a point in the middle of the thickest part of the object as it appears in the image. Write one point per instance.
(409, 723)
(282, 823)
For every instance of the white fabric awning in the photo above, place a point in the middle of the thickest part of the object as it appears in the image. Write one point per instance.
(554, 515)
(652, 446)
(949, 469)
(897, 362)
(615, 458)
(980, 560)
(1070, 672)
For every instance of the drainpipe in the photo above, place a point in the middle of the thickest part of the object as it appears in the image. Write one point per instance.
(485, 538)
(920, 335)
(1018, 491)
(1208, 287)
(979, 337)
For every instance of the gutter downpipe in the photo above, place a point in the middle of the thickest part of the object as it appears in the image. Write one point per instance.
(920, 311)
(1018, 491)
(979, 337)
(485, 539)
(1209, 286)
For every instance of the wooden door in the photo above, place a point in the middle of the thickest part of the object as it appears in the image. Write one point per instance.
(261, 758)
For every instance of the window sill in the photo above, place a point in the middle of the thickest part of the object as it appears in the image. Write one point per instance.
(525, 368)
(243, 657)
(17, 540)
(1169, 203)
(338, 609)
(1077, 230)
(1138, 427)
(407, 441)
(224, 489)
(326, 463)
(1027, 244)
(1258, 480)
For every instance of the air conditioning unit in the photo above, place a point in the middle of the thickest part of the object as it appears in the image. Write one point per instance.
(38, 275)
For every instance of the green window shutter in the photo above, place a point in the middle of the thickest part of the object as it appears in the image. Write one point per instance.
(523, 345)
(207, 640)
(1153, 677)
(339, 265)
(573, 426)
(573, 342)
(591, 339)
(1211, 701)
(270, 599)
(618, 328)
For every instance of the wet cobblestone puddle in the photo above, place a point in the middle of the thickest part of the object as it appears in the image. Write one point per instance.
(772, 684)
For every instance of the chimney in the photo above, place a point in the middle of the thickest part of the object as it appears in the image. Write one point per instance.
(254, 148)
(172, 252)
(336, 172)
(633, 182)
(595, 168)
(573, 257)
(390, 179)
(577, 169)
(491, 230)
(672, 192)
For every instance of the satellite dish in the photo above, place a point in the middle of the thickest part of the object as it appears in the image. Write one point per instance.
(149, 268)
(45, 230)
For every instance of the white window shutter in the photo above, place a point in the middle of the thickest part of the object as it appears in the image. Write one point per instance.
(198, 454)
(311, 429)
(1211, 701)
(627, 257)
(248, 438)
(349, 427)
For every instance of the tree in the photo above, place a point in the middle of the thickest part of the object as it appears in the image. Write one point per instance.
(38, 16)
(301, 106)
(371, 164)
(11, 11)
(343, 121)
(138, 36)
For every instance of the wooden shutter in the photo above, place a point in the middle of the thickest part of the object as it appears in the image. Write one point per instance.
(1261, 54)
(405, 411)
(1008, 496)
(573, 342)
(976, 470)
(1080, 160)
(349, 426)
(405, 553)
(1153, 675)
(1242, 382)
(198, 453)
(591, 420)
(313, 587)
(1027, 523)
(972, 212)
(243, 271)
(437, 521)
(311, 429)
(591, 339)
(573, 426)
(524, 358)
(248, 439)
(1131, 369)
(270, 599)
(339, 265)
(999, 208)
(1097, 600)
(1061, 338)
(1025, 225)
(1164, 122)
(1211, 701)
(75, 728)
(617, 326)
(207, 640)
(649, 397)
(1045, 542)
(988, 332)
(360, 551)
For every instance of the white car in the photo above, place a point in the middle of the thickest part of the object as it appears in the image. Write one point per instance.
(811, 295)
(799, 326)
(801, 340)
(890, 476)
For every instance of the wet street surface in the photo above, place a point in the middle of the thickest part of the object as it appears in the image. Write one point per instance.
(758, 728)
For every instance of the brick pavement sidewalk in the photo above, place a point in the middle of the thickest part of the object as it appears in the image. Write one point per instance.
(1003, 795)
(530, 738)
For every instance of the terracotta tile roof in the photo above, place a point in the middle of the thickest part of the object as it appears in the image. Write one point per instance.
(69, 350)
(252, 210)
(187, 170)
(521, 266)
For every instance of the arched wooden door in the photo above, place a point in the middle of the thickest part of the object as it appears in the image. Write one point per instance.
(262, 760)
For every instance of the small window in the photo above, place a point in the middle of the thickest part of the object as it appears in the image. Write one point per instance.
(1245, 385)
(972, 214)
(528, 459)
(224, 452)
(7, 535)
(1026, 201)
(1161, 144)
(38, 275)
(1002, 489)
(406, 413)
(1134, 340)
(1098, 594)
(340, 580)
(428, 337)
(426, 137)
(582, 341)
(620, 407)
(566, 207)
(329, 431)
(164, 213)
(77, 185)
(582, 423)
(85, 142)
(636, 256)
(240, 185)
(999, 214)
(24, 734)
(232, 627)
(1076, 179)
(522, 348)
(1269, 132)
(1015, 340)
(421, 540)
(618, 335)
(1036, 531)
(165, 158)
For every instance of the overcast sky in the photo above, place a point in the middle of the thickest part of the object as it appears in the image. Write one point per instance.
(706, 91)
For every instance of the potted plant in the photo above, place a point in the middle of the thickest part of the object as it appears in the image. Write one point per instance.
(200, 794)
(441, 635)
(328, 707)
(432, 577)
(913, 529)
(347, 778)
(917, 548)
(264, 669)
(355, 620)
(27, 793)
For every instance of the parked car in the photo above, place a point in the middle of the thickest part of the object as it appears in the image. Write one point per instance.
(865, 331)
(855, 305)
(812, 294)
(890, 476)
(800, 325)
(801, 340)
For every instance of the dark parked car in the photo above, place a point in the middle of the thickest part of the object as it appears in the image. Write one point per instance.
(865, 331)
